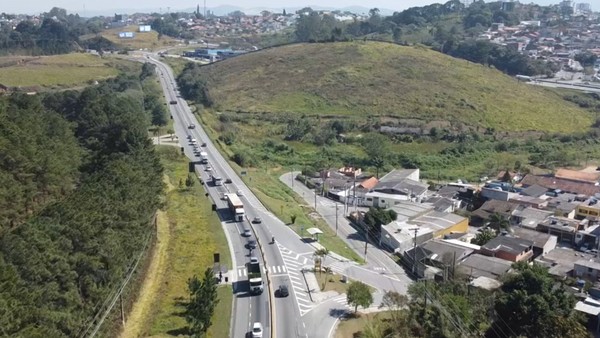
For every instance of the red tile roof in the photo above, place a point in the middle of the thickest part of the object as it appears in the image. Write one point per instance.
(562, 184)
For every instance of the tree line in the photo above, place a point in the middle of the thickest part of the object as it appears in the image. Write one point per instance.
(58, 33)
(450, 28)
(82, 182)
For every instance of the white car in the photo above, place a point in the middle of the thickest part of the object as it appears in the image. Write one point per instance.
(240, 193)
(247, 233)
(257, 330)
(253, 260)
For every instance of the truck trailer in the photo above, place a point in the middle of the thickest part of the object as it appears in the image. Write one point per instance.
(236, 206)
(255, 278)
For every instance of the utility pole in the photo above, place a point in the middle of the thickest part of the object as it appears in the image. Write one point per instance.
(336, 218)
(366, 240)
(414, 250)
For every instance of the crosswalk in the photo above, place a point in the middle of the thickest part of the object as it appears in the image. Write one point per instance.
(342, 300)
(295, 263)
(273, 270)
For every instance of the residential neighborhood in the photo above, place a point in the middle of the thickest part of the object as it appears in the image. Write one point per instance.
(552, 220)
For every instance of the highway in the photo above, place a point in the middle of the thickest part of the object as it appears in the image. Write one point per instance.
(247, 308)
(289, 317)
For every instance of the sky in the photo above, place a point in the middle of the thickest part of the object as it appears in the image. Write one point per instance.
(38, 6)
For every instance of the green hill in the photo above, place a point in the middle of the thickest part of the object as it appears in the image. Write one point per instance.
(370, 78)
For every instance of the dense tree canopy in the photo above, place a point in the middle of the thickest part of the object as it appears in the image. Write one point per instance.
(82, 182)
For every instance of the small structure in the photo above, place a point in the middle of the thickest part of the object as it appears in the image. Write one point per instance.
(435, 257)
(314, 233)
(481, 215)
(509, 248)
(588, 269)
(126, 35)
(542, 243)
(478, 265)
(145, 28)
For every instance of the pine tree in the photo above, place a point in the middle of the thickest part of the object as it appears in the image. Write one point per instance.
(202, 303)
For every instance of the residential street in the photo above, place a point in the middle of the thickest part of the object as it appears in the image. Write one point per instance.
(378, 262)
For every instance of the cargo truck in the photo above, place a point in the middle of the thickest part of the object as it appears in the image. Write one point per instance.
(255, 278)
(236, 206)
(203, 157)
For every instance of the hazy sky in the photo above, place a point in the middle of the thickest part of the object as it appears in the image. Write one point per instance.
(37, 6)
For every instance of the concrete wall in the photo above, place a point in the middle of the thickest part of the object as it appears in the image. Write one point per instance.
(583, 271)
(494, 194)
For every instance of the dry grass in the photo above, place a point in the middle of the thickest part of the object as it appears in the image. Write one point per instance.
(380, 79)
(58, 70)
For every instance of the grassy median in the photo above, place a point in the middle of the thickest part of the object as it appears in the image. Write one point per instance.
(195, 234)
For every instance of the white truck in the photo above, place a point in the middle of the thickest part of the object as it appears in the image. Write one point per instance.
(236, 207)
(203, 157)
(255, 278)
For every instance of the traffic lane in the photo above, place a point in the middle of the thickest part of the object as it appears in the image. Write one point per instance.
(287, 318)
(323, 318)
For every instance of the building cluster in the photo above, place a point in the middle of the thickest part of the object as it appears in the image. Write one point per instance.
(553, 220)
(544, 39)
(237, 24)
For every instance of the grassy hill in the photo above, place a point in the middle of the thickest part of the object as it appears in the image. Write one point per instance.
(358, 79)
(140, 40)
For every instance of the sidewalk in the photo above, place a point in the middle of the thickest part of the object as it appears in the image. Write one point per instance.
(377, 260)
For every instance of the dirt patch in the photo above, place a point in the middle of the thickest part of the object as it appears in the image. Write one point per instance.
(137, 321)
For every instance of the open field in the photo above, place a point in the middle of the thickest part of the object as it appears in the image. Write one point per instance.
(141, 40)
(56, 71)
(195, 234)
(357, 79)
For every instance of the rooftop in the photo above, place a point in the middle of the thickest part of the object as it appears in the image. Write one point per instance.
(534, 191)
(478, 265)
(539, 239)
(589, 306)
(566, 185)
(574, 175)
(436, 220)
(404, 186)
(512, 245)
(399, 175)
(591, 263)
(438, 250)
(407, 210)
(561, 260)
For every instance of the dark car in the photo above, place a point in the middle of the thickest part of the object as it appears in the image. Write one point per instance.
(192, 126)
(251, 244)
(228, 180)
(173, 102)
(282, 291)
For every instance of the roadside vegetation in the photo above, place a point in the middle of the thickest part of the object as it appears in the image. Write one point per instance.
(195, 234)
(529, 304)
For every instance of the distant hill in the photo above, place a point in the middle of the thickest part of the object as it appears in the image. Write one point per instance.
(381, 79)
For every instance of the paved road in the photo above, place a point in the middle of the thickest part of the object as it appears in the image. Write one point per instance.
(378, 262)
(283, 260)
(575, 86)
(247, 309)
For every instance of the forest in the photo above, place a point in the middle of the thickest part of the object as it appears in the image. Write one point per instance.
(80, 185)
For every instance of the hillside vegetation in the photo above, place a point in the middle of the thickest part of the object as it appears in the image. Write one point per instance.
(358, 79)
(80, 185)
(148, 40)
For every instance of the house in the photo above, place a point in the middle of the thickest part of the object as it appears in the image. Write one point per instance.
(435, 257)
(423, 218)
(509, 248)
(590, 209)
(578, 176)
(542, 243)
(397, 185)
(561, 261)
(534, 191)
(588, 269)
(444, 204)
(565, 185)
(565, 229)
(478, 265)
(529, 217)
(529, 201)
(480, 216)
(564, 205)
